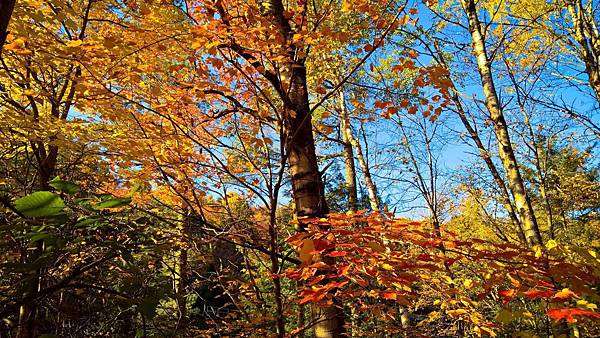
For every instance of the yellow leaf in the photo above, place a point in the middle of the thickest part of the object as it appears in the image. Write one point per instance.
(376, 246)
(197, 44)
(489, 331)
(308, 246)
(15, 44)
(386, 266)
(74, 43)
(456, 313)
(585, 304)
(468, 283)
(565, 294)
(346, 6)
(551, 244)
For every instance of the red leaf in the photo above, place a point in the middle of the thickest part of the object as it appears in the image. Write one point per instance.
(361, 282)
(321, 244)
(537, 294)
(570, 313)
(343, 270)
(337, 254)
(333, 285)
(507, 295)
(312, 295)
(389, 295)
(450, 261)
(379, 104)
(316, 280)
(392, 110)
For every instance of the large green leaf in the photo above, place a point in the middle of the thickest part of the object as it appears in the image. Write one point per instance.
(34, 237)
(40, 204)
(64, 186)
(113, 203)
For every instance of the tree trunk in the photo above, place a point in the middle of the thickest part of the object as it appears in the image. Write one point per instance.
(504, 194)
(307, 186)
(182, 277)
(485, 155)
(308, 189)
(6, 10)
(539, 169)
(585, 32)
(507, 155)
(275, 268)
(351, 191)
(346, 130)
(371, 187)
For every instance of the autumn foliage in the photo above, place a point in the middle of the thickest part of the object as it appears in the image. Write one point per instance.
(250, 168)
(384, 263)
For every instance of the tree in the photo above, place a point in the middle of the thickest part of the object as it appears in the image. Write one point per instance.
(515, 181)
(6, 9)
(173, 169)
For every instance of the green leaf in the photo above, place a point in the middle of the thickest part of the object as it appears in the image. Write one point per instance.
(40, 204)
(85, 221)
(39, 236)
(113, 203)
(64, 186)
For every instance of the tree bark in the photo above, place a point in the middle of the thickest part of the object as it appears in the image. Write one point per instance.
(6, 10)
(371, 187)
(346, 130)
(308, 189)
(307, 186)
(585, 32)
(351, 191)
(507, 155)
(181, 278)
(485, 155)
(539, 169)
(504, 194)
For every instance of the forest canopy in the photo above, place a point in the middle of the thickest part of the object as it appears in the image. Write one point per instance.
(305, 168)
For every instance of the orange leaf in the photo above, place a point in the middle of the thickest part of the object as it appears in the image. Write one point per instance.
(507, 295)
(456, 313)
(564, 294)
(337, 254)
(389, 295)
(343, 270)
(570, 313)
(536, 294)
